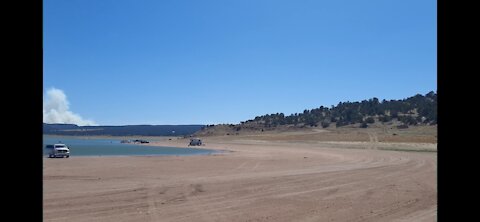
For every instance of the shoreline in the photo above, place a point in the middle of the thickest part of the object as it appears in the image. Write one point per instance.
(260, 180)
(154, 149)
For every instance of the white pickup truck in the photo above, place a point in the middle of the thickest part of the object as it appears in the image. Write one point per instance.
(58, 150)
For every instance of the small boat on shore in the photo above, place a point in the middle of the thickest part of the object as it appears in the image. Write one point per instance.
(140, 141)
(134, 141)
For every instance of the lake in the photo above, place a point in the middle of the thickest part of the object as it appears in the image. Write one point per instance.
(112, 147)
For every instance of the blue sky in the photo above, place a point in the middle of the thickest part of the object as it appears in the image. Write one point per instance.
(122, 62)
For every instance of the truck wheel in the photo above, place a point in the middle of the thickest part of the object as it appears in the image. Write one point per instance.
(68, 156)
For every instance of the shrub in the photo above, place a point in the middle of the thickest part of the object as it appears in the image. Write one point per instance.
(370, 120)
(384, 119)
(408, 120)
(341, 123)
(394, 114)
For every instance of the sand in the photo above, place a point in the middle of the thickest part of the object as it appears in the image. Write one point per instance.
(254, 180)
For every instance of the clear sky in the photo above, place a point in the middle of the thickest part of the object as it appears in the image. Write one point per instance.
(125, 62)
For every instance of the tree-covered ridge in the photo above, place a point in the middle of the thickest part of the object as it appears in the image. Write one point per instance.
(418, 109)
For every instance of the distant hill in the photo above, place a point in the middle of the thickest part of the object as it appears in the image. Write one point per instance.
(131, 130)
(415, 110)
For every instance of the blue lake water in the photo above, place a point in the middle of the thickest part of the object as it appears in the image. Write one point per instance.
(113, 147)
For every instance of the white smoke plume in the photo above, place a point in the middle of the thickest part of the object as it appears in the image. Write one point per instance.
(56, 110)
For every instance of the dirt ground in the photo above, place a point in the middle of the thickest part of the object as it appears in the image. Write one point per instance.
(277, 177)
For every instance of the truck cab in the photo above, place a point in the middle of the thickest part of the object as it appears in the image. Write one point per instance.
(58, 150)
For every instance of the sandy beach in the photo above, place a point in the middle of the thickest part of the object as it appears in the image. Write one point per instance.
(255, 179)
